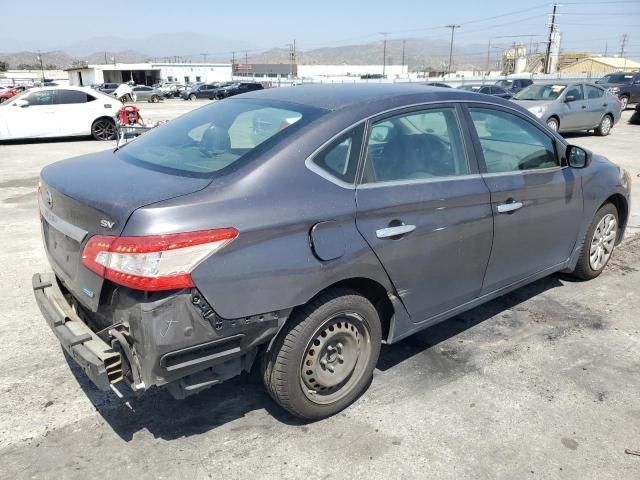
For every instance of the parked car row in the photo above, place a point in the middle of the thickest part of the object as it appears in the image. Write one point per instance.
(218, 91)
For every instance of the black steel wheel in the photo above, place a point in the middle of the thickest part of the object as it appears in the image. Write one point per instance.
(104, 129)
(324, 357)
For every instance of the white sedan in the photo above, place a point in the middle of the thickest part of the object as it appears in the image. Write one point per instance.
(59, 112)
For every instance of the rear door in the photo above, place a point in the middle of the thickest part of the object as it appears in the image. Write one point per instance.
(574, 109)
(73, 113)
(424, 209)
(635, 89)
(536, 202)
(597, 103)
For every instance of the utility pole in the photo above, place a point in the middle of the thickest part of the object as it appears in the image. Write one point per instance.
(233, 58)
(453, 29)
(623, 44)
(384, 53)
(204, 57)
(606, 48)
(246, 56)
(403, 48)
(552, 29)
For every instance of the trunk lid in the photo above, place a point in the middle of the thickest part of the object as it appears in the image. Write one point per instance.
(95, 195)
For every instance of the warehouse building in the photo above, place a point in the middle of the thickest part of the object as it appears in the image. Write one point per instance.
(149, 73)
(600, 65)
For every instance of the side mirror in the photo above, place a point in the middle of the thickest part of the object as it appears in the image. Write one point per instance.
(578, 157)
(570, 98)
(21, 103)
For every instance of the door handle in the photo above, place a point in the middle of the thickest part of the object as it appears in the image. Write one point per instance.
(509, 207)
(395, 231)
(583, 107)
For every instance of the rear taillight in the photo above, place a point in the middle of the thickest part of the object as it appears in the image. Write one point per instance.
(162, 262)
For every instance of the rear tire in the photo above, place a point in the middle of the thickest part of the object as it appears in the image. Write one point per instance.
(606, 124)
(154, 99)
(598, 244)
(324, 357)
(104, 129)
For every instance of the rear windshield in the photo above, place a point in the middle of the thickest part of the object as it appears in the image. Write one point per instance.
(505, 83)
(217, 136)
(616, 78)
(540, 92)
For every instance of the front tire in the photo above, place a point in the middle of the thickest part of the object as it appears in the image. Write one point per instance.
(598, 244)
(154, 99)
(192, 97)
(553, 124)
(104, 129)
(624, 100)
(324, 358)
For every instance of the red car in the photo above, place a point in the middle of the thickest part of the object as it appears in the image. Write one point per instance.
(11, 92)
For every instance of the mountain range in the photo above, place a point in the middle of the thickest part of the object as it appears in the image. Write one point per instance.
(418, 53)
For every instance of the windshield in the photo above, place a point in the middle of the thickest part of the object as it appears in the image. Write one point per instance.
(504, 83)
(540, 92)
(212, 138)
(616, 78)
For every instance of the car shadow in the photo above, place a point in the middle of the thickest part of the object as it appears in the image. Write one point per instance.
(30, 141)
(164, 417)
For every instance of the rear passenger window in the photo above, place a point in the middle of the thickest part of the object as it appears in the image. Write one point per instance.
(594, 92)
(510, 143)
(340, 158)
(71, 96)
(416, 145)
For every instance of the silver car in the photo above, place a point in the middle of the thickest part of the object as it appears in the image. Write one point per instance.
(149, 94)
(567, 107)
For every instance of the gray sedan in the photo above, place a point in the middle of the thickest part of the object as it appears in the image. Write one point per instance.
(147, 94)
(568, 107)
(294, 230)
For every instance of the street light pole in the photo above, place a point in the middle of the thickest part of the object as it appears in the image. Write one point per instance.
(453, 28)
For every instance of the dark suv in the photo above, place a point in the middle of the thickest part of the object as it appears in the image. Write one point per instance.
(626, 85)
(293, 230)
(237, 89)
(514, 84)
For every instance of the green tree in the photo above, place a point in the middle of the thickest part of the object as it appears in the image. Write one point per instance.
(4, 66)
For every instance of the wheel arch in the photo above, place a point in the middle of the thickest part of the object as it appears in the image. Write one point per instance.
(373, 291)
(622, 206)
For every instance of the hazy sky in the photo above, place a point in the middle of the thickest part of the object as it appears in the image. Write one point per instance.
(585, 25)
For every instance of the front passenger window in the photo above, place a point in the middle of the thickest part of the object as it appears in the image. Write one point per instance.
(510, 143)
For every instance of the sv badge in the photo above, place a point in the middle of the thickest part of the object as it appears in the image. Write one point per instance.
(104, 223)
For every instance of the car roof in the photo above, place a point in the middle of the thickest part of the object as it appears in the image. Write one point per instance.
(339, 96)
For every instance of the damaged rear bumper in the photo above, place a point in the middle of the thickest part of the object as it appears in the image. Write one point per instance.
(99, 361)
(174, 339)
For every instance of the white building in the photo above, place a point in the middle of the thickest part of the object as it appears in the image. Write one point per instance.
(349, 72)
(149, 73)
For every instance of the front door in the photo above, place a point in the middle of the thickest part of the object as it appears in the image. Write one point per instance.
(537, 203)
(35, 120)
(424, 209)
